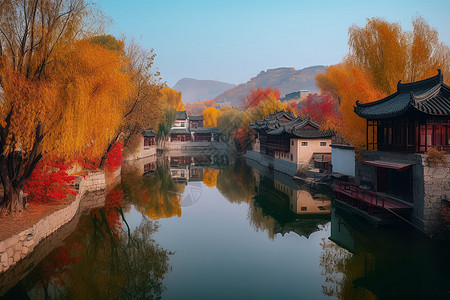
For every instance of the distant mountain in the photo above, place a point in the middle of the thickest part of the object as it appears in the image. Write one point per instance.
(195, 90)
(287, 80)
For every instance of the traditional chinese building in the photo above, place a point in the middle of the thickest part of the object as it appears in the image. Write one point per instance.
(180, 128)
(196, 122)
(147, 144)
(397, 175)
(190, 129)
(286, 142)
(413, 119)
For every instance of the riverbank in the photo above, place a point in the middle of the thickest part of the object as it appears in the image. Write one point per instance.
(21, 233)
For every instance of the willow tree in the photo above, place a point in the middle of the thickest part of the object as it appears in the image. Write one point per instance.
(144, 107)
(381, 54)
(62, 94)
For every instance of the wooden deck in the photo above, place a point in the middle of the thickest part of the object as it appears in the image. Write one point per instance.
(377, 208)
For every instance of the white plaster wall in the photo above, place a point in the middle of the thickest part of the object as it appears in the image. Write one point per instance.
(343, 161)
(304, 153)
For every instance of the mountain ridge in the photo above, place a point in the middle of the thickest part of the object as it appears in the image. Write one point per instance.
(195, 90)
(286, 79)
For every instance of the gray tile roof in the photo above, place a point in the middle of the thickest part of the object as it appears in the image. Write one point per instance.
(179, 131)
(181, 115)
(297, 127)
(196, 118)
(429, 96)
(148, 133)
(205, 130)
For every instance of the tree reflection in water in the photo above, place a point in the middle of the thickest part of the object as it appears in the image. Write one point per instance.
(236, 182)
(100, 260)
(157, 195)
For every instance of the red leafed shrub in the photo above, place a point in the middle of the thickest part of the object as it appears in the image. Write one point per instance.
(87, 164)
(115, 157)
(49, 181)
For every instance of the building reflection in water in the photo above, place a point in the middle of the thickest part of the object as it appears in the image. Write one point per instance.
(360, 261)
(160, 186)
(278, 204)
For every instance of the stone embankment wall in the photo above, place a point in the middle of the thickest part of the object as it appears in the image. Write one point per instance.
(430, 184)
(274, 163)
(15, 248)
(437, 192)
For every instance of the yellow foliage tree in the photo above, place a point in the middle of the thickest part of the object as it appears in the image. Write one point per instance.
(380, 55)
(62, 95)
(210, 116)
(210, 177)
(172, 98)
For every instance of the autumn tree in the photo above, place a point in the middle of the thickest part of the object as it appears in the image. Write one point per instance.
(165, 126)
(319, 107)
(381, 54)
(229, 121)
(210, 116)
(144, 108)
(196, 108)
(172, 98)
(63, 95)
(254, 97)
(234, 123)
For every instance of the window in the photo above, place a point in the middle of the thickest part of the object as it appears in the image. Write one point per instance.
(292, 143)
(304, 143)
(303, 208)
(321, 208)
(183, 124)
(292, 157)
(323, 143)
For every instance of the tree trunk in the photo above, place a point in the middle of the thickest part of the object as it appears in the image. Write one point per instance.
(13, 200)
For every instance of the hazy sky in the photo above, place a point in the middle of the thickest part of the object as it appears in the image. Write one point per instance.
(233, 40)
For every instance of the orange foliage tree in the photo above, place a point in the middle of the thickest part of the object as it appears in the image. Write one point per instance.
(381, 54)
(210, 116)
(210, 177)
(63, 95)
(348, 83)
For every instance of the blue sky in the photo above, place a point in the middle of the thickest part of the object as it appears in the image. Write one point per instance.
(233, 40)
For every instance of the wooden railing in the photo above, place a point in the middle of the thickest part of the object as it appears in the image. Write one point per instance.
(361, 194)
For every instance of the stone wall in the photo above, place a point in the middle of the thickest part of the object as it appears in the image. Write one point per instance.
(436, 190)
(275, 163)
(431, 184)
(10, 278)
(15, 248)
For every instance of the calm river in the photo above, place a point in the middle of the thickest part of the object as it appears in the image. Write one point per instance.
(217, 227)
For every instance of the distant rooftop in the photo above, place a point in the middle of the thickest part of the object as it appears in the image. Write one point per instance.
(181, 115)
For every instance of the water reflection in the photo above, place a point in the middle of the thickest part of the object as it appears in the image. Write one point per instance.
(277, 204)
(101, 260)
(360, 261)
(158, 187)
